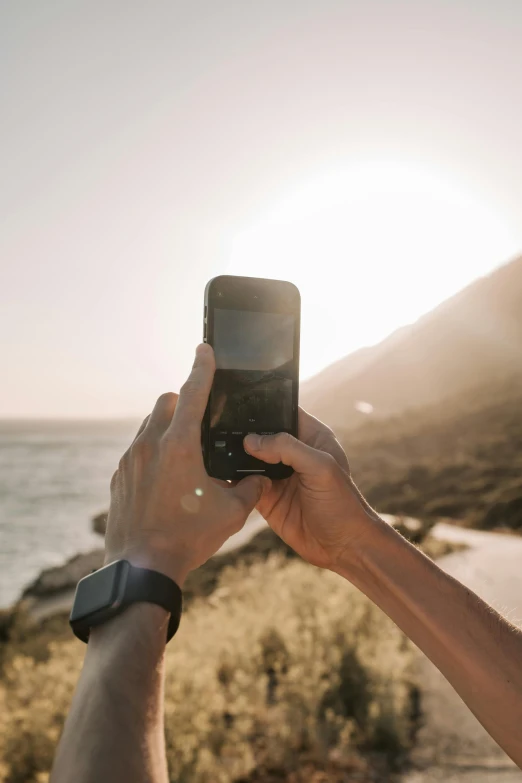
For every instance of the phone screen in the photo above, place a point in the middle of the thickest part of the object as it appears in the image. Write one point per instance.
(252, 389)
(253, 326)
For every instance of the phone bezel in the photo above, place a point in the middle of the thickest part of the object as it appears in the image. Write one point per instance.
(250, 293)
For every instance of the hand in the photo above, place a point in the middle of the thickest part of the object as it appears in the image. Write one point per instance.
(318, 511)
(166, 513)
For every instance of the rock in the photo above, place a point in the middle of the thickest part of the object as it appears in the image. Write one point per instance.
(99, 523)
(65, 577)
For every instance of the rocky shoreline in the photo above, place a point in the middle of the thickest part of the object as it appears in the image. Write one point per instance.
(57, 579)
(53, 589)
(63, 577)
(52, 592)
(40, 616)
(39, 619)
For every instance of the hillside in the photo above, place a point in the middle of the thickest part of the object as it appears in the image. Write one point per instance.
(461, 458)
(467, 341)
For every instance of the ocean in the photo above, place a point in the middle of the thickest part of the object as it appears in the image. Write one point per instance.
(54, 476)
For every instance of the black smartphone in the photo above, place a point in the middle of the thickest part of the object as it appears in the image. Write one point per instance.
(253, 325)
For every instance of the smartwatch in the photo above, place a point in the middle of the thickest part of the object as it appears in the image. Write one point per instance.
(102, 595)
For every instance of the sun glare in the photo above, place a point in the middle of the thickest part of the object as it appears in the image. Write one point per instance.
(371, 248)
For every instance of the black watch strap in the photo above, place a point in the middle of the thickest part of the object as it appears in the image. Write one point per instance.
(155, 588)
(110, 590)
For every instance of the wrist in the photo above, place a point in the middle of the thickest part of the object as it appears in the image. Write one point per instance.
(172, 565)
(355, 562)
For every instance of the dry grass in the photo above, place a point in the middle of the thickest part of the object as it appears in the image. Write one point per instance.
(282, 665)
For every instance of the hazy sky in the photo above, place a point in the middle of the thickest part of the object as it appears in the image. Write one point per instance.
(146, 147)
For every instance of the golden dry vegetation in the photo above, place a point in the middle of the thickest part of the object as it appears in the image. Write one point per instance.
(282, 666)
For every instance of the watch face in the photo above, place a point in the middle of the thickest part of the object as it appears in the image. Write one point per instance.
(102, 590)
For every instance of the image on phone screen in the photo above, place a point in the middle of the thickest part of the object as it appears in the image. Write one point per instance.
(252, 389)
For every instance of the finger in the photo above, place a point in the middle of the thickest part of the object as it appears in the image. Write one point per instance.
(142, 427)
(162, 412)
(284, 448)
(126, 454)
(194, 393)
(308, 425)
(315, 433)
(249, 491)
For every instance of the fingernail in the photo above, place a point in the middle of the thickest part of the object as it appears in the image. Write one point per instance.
(253, 441)
(200, 352)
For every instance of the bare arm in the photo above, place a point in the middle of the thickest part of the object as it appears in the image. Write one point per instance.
(477, 650)
(322, 515)
(166, 514)
(114, 730)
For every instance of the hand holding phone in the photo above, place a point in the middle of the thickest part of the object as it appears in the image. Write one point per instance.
(166, 514)
(253, 325)
(319, 511)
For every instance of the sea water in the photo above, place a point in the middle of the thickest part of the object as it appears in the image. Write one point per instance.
(54, 476)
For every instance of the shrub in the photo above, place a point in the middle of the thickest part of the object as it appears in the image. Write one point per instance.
(506, 513)
(283, 661)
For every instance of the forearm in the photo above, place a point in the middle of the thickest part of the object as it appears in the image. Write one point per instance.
(478, 651)
(114, 730)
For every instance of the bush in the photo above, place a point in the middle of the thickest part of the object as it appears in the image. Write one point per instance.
(506, 513)
(282, 662)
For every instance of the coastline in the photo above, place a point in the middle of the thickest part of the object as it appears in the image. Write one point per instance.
(52, 592)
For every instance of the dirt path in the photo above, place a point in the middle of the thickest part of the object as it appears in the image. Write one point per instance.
(452, 745)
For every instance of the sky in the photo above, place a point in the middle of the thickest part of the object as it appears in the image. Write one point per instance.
(369, 152)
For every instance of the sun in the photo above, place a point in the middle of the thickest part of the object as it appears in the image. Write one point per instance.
(371, 248)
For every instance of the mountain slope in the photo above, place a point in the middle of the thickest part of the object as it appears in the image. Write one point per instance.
(461, 458)
(467, 341)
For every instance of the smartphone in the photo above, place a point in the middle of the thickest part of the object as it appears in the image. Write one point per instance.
(253, 325)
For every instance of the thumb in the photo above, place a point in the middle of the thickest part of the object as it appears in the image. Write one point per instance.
(250, 489)
(284, 448)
